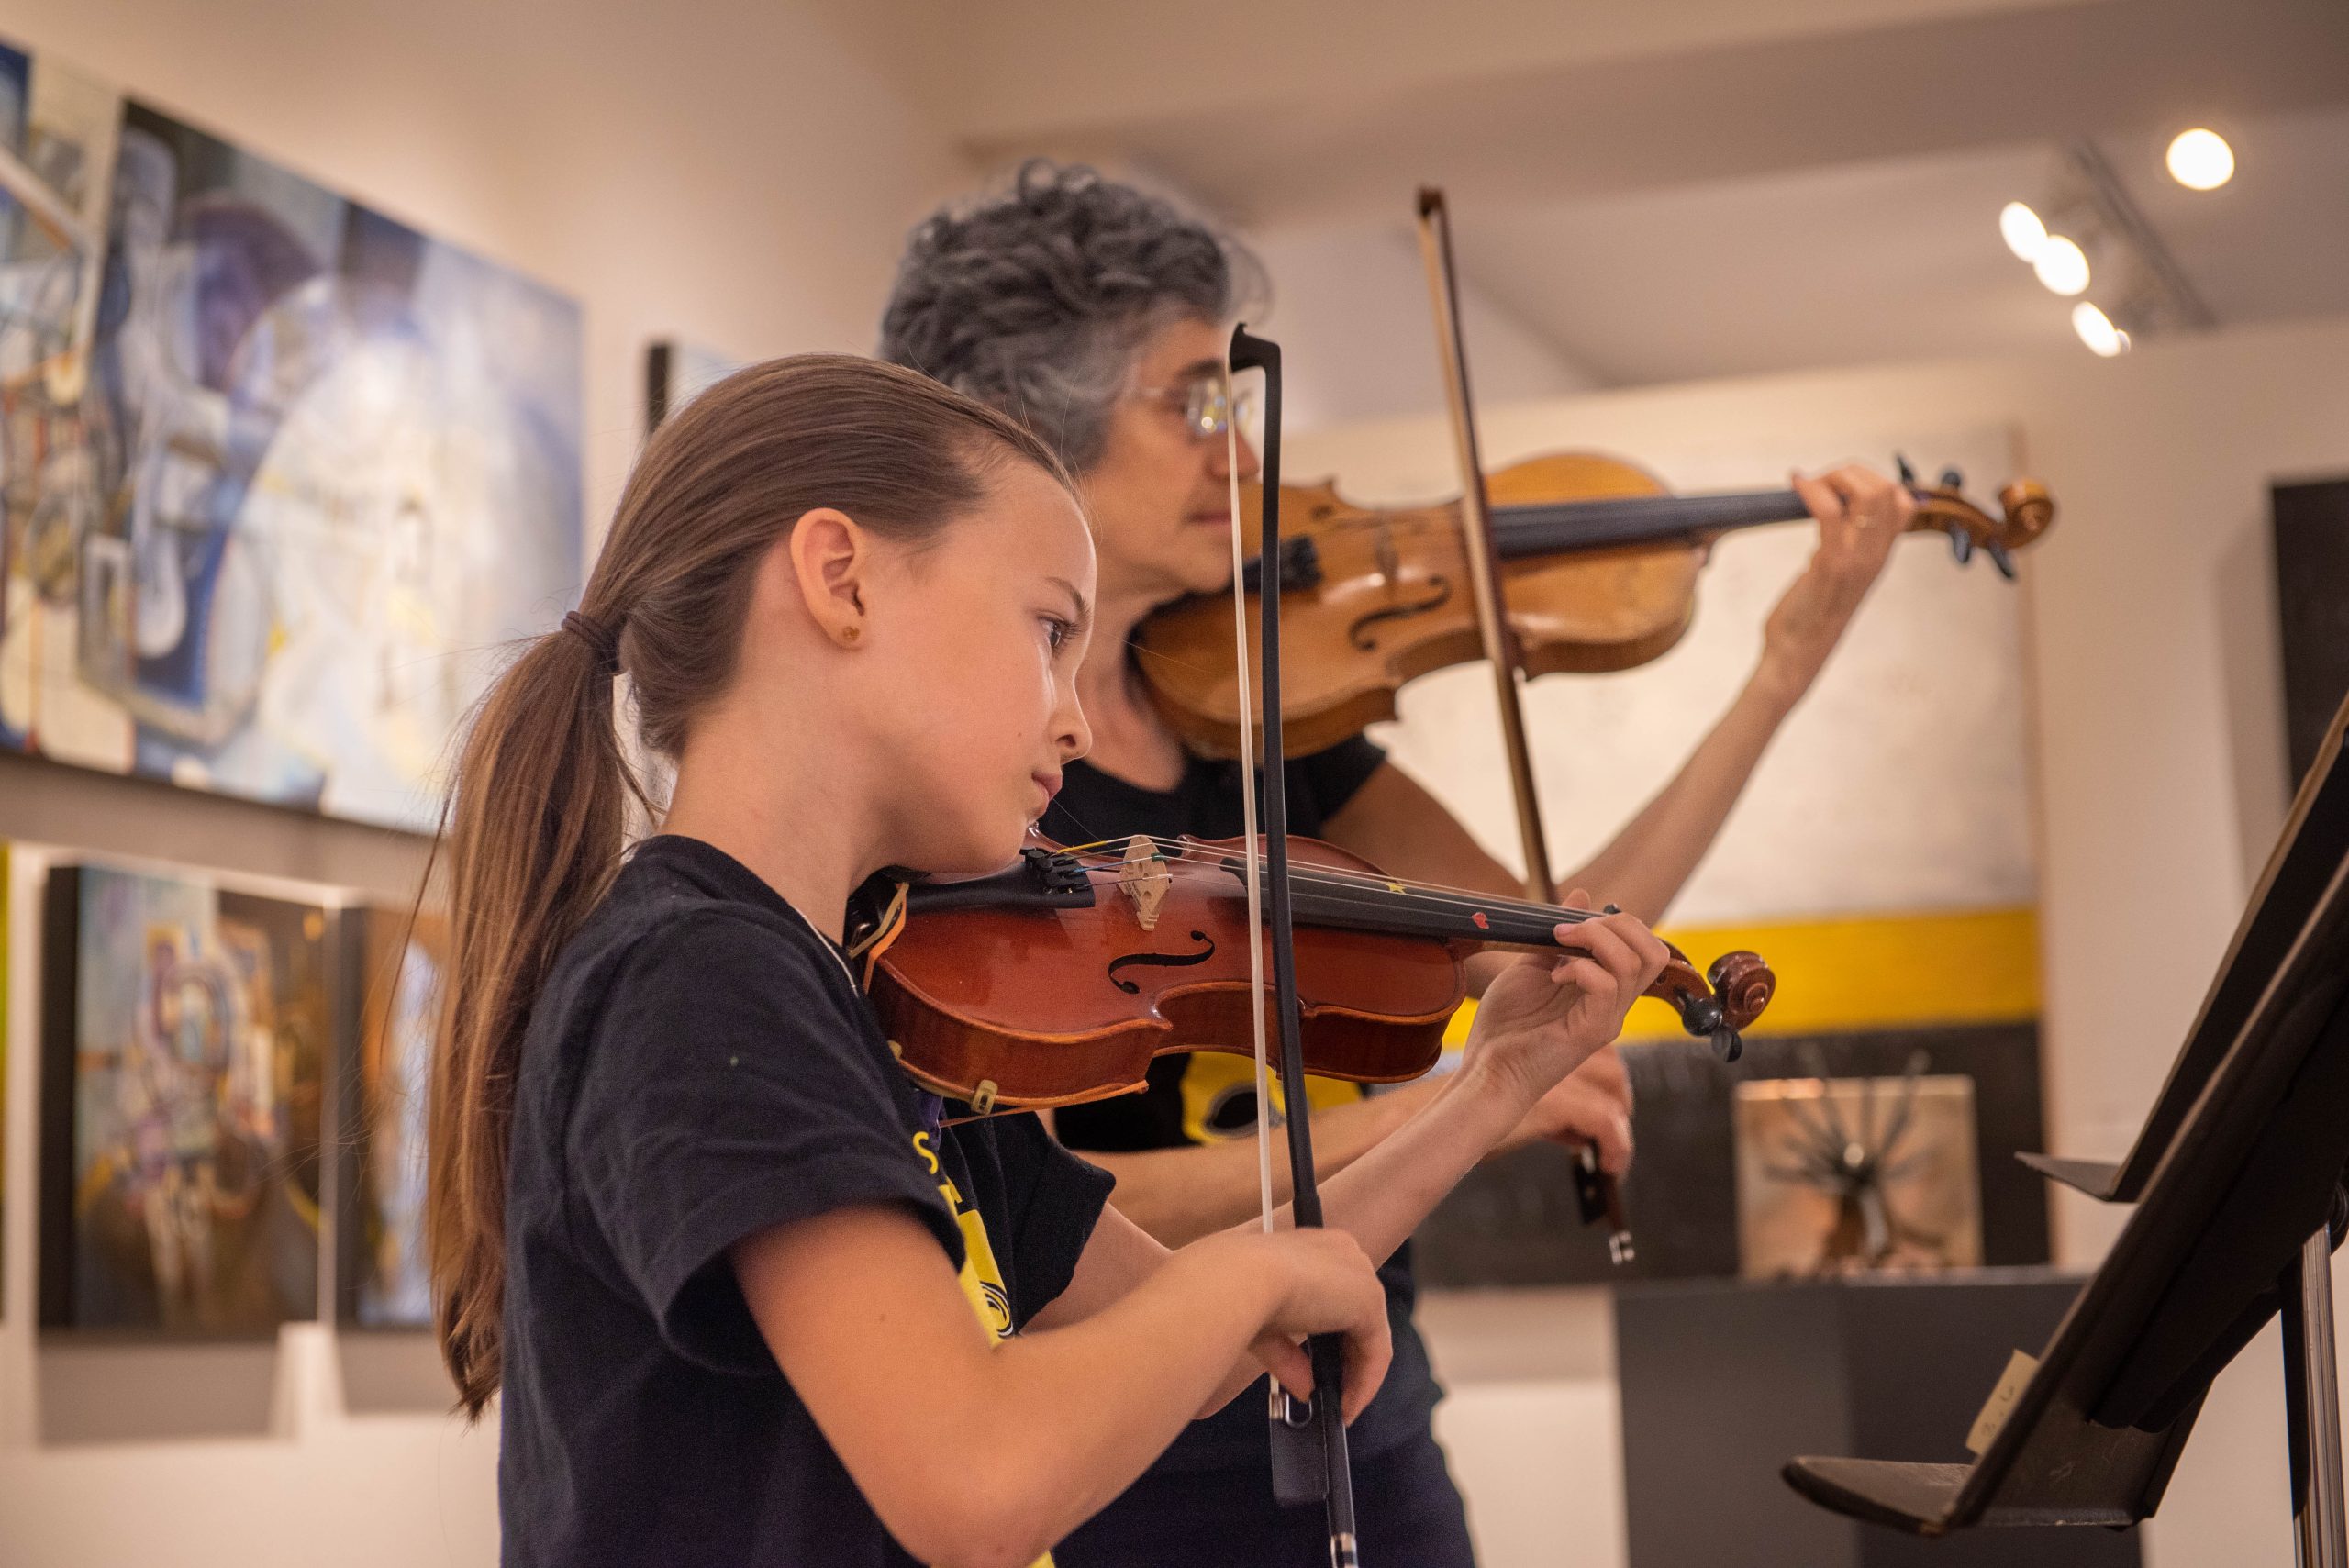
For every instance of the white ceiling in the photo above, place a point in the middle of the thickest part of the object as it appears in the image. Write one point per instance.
(1681, 188)
(1896, 258)
(1883, 260)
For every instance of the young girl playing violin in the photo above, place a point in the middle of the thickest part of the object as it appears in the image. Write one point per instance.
(751, 1297)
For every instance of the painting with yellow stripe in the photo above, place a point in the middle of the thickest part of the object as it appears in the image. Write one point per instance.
(185, 1031)
(1881, 859)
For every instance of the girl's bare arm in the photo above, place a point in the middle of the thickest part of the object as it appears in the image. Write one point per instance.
(977, 1454)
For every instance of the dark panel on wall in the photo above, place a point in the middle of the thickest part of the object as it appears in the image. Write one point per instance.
(2313, 610)
(1514, 1220)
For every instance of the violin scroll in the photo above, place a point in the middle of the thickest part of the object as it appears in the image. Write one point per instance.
(2031, 511)
(2026, 512)
(1721, 1004)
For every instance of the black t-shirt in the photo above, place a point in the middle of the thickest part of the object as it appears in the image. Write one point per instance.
(1204, 1097)
(700, 1067)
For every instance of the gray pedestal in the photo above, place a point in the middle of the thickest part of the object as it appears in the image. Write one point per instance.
(1723, 1381)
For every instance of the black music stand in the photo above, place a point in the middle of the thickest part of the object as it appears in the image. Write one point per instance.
(2237, 1220)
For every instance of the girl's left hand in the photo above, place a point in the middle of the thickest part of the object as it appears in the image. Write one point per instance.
(1542, 1017)
(1861, 514)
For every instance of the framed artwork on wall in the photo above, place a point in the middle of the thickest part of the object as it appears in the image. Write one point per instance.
(1856, 1175)
(186, 1033)
(383, 1069)
(273, 510)
(675, 372)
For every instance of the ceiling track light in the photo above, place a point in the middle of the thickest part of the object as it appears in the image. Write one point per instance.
(2061, 265)
(2023, 230)
(2181, 301)
(2095, 217)
(2200, 160)
(2097, 331)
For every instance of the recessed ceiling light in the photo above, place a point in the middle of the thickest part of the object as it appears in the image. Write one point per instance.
(2097, 331)
(2020, 228)
(2062, 265)
(2200, 160)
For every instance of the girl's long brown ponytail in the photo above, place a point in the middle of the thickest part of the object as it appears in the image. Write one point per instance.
(537, 813)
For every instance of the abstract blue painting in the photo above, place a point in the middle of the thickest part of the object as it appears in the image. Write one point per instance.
(293, 474)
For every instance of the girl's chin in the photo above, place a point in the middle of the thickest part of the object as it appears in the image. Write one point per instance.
(993, 852)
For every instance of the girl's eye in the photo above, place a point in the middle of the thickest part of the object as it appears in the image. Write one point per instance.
(1057, 631)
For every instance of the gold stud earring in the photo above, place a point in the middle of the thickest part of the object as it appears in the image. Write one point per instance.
(850, 633)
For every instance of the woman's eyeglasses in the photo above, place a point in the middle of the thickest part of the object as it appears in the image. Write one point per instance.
(1205, 403)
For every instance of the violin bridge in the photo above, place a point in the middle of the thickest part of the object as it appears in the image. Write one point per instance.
(1143, 877)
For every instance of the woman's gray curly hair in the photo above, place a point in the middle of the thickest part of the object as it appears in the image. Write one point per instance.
(1035, 299)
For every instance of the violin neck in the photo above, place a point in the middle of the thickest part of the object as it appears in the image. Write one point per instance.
(1348, 902)
(1555, 526)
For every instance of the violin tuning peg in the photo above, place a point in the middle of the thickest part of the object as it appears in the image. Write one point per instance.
(1960, 545)
(1907, 475)
(2001, 558)
(1952, 480)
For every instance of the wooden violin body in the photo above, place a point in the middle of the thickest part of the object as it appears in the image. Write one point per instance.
(1600, 567)
(1059, 979)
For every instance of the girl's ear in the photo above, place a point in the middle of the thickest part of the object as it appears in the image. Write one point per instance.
(832, 562)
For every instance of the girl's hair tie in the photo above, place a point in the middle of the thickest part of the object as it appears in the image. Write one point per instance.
(603, 640)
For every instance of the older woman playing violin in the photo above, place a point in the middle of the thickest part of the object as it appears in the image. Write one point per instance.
(1098, 315)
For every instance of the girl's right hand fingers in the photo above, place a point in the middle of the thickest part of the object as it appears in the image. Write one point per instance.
(1369, 1350)
(1287, 1361)
(1332, 1289)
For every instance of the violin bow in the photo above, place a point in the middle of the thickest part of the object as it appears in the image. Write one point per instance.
(1309, 1436)
(1594, 1187)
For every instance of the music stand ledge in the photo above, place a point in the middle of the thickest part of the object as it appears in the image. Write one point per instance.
(2235, 1223)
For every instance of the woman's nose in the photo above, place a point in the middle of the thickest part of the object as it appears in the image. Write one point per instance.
(1222, 461)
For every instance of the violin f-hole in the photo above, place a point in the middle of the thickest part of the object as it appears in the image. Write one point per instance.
(1438, 592)
(1159, 960)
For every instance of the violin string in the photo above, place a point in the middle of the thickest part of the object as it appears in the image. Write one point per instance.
(1439, 517)
(1364, 883)
(1427, 892)
(1359, 882)
(1432, 898)
(1442, 519)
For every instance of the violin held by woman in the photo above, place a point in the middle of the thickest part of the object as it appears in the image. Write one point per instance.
(1598, 566)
